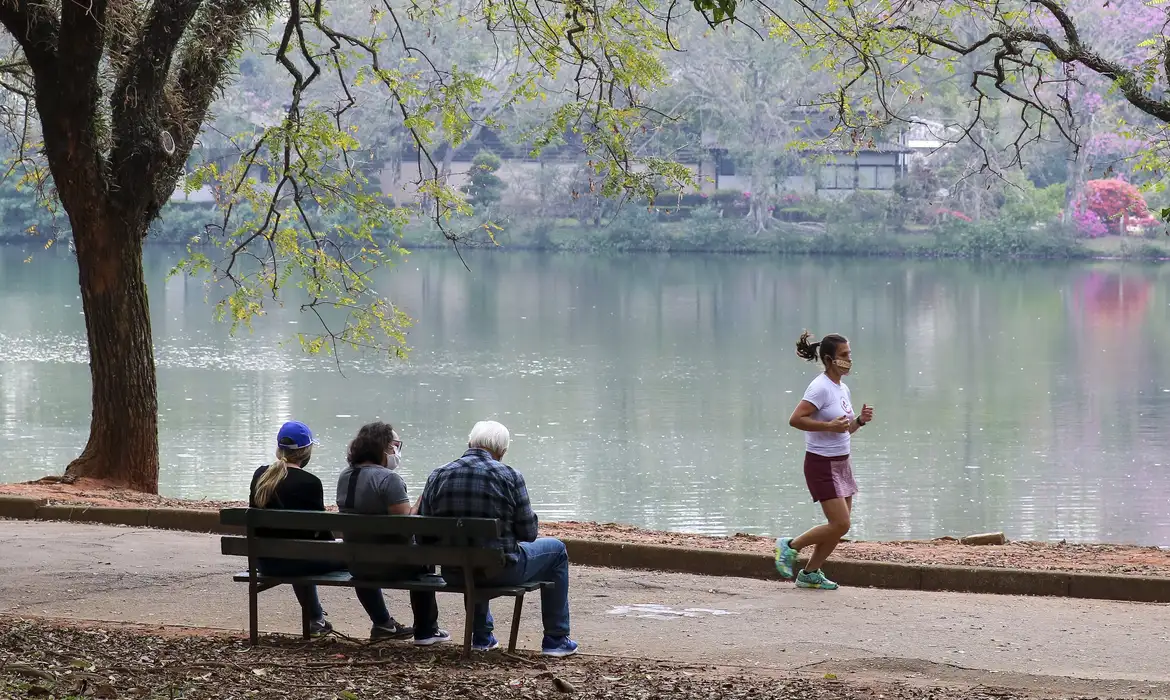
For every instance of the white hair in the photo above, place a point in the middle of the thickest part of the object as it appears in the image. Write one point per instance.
(491, 436)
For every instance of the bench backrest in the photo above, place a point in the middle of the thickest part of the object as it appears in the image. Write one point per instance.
(461, 542)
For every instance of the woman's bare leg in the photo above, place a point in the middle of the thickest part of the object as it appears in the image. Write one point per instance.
(824, 538)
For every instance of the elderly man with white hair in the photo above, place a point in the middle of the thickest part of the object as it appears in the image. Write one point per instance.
(479, 485)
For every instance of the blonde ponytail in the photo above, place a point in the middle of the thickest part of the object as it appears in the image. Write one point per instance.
(277, 471)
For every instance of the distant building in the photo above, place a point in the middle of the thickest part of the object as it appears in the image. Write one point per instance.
(925, 137)
(828, 172)
(873, 167)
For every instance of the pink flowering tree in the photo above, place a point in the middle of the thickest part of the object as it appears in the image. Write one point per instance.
(1107, 206)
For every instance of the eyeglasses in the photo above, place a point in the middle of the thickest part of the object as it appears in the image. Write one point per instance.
(397, 444)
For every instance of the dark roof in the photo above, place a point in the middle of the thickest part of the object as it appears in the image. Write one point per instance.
(573, 148)
(877, 147)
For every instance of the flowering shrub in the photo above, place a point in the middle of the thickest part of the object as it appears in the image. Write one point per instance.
(1088, 223)
(1108, 206)
(941, 212)
(1112, 199)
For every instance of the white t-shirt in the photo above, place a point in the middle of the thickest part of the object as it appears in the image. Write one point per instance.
(832, 401)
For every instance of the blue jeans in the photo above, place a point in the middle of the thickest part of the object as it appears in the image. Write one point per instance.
(370, 598)
(542, 560)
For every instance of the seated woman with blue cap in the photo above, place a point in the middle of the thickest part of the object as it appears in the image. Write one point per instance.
(285, 485)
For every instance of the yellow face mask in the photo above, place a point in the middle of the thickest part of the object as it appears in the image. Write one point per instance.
(843, 365)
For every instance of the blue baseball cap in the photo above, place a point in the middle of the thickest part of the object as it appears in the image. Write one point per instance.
(296, 435)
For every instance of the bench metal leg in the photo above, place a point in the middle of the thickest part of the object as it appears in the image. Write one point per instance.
(519, 608)
(253, 613)
(469, 604)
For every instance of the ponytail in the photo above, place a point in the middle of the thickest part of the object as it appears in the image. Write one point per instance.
(269, 480)
(277, 471)
(806, 350)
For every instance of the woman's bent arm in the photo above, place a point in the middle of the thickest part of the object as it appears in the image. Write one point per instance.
(801, 419)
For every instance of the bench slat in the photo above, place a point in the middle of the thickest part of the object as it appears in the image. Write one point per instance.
(350, 554)
(403, 525)
(344, 579)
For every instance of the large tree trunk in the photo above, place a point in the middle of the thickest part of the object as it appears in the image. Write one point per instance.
(123, 436)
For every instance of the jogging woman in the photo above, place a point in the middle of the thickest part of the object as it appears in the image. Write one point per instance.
(826, 416)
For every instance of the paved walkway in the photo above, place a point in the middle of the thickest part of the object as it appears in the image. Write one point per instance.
(152, 576)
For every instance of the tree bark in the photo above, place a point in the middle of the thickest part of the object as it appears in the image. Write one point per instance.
(123, 436)
(761, 193)
(1076, 178)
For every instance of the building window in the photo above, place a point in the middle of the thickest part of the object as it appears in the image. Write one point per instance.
(724, 166)
(838, 177)
(827, 178)
(846, 177)
(867, 177)
(886, 174)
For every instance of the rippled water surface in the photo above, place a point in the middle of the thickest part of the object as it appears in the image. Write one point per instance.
(1031, 398)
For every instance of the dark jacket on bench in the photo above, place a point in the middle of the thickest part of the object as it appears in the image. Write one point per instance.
(300, 490)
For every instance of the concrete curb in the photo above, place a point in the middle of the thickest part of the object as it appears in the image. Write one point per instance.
(704, 562)
(876, 574)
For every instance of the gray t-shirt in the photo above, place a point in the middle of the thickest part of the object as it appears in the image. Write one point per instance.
(374, 489)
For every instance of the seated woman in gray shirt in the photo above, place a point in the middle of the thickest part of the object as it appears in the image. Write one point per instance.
(370, 486)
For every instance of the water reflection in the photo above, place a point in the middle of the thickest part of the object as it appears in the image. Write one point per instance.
(1111, 300)
(655, 391)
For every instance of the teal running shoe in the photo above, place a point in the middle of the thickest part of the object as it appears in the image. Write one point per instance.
(815, 579)
(785, 558)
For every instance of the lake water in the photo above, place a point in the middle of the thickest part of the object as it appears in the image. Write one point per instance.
(1031, 398)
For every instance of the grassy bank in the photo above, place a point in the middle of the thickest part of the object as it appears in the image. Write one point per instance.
(971, 240)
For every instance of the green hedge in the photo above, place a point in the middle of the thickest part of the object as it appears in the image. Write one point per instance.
(708, 230)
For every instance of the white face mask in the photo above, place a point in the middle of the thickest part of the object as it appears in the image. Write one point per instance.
(393, 459)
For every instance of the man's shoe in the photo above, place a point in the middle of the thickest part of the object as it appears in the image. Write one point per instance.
(391, 630)
(487, 643)
(558, 646)
(320, 628)
(436, 637)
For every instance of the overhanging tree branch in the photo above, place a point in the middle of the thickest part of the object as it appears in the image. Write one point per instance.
(139, 150)
(205, 56)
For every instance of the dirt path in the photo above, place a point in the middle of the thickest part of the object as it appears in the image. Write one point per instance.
(103, 575)
(1101, 558)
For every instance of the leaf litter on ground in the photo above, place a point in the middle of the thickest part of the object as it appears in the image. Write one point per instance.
(54, 659)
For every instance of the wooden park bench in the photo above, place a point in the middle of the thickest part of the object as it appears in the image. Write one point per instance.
(450, 542)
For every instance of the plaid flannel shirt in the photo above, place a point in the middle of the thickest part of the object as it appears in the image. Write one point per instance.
(477, 486)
